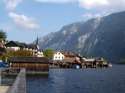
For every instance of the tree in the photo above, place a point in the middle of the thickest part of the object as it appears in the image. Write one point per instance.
(19, 53)
(2, 35)
(48, 53)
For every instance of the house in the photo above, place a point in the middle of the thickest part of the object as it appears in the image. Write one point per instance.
(74, 60)
(94, 62)
(39, 54)
(71, 63)
(71, 56)
(63, 56)
(65, 60)
(58, 56)
(15, 46)
(33, 65)
(88, 62)
(68, 54)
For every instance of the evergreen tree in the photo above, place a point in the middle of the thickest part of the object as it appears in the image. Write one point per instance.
(2, 36)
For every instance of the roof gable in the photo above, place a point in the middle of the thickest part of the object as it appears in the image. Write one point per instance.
(12, 44)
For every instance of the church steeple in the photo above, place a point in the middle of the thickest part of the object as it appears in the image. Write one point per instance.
(37, 43)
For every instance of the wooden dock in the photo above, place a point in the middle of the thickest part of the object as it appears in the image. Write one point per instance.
(4, 89)
(19, 85)
(89, 63)
(33, 65)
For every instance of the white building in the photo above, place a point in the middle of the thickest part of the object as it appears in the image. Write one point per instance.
(58, 56)
(89, 59)
(39, 54)
(12, 46)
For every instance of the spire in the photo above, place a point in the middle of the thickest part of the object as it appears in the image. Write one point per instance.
(37, 43)
(37, 40)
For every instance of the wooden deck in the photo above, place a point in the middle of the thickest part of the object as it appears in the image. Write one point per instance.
(18, 86)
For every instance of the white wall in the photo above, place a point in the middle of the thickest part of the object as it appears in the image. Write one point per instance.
(14, 48)
(58, 56)
(40, 54)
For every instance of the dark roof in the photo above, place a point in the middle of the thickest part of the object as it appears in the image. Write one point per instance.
(29, 60)
(22, 45)
(11, 43)
(69, 54)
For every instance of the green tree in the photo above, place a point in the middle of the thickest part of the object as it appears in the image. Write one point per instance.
(48, 53)
(2, 35)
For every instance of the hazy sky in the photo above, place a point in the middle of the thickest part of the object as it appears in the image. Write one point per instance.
(24, 20)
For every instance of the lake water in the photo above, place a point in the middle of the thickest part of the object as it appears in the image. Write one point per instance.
(106, 80)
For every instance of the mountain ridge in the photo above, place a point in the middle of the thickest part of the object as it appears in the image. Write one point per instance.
(97, 37)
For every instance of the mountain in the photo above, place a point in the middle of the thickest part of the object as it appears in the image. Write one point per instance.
(99, 37)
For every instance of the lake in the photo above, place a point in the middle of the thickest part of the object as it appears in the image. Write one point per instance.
(105, 80)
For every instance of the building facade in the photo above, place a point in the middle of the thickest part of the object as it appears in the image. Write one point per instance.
(15, 46)
(58, 56)
(33, 65)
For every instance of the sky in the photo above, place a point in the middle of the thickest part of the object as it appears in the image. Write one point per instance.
(25, 20)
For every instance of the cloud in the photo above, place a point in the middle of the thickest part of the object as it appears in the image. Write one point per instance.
(93, 8)
(19, 19)
(101, 7)
(89, 4)
(23, 21)
(55, 1)
(108, 6)
(12, 4)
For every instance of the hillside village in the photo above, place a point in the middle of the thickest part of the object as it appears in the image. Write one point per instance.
(58, 59)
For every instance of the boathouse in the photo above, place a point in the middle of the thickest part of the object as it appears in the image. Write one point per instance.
(94, 62)
(72, 62)
(31, 64)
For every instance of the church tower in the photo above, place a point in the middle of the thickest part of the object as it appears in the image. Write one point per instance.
(37, 43)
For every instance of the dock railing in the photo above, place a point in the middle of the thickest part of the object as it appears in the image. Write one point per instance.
(19, 85)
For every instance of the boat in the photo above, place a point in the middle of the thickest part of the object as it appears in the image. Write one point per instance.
(109, 65)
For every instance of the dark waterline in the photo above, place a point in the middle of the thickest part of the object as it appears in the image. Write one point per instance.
(109, 80)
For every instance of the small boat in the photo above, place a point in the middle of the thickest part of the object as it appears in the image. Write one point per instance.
(77, 67)
(109, 65)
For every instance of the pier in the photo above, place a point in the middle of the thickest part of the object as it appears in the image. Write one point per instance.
(19, 84)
